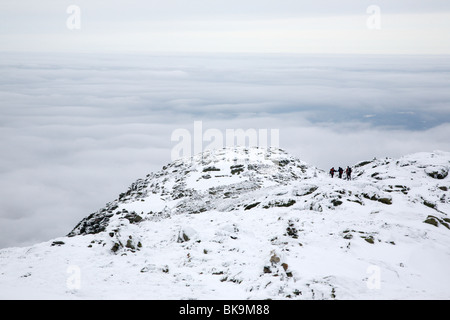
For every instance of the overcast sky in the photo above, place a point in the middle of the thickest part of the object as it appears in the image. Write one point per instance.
(85, 112)
(346, 26)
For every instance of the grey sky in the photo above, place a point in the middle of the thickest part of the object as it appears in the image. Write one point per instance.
(412, 27)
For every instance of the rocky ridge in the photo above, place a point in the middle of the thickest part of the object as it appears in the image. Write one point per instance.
(253, 223)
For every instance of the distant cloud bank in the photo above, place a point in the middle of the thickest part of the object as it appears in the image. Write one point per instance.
(77, 129)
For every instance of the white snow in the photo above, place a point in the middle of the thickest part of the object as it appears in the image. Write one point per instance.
(274, 228)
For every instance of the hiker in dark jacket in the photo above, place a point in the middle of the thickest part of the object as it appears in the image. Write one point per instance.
(332, 171)
(341, 171)
(348, 171)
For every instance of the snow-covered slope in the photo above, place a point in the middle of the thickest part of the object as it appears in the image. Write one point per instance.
(254, 223)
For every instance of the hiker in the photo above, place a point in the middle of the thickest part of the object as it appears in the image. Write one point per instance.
(332, 171)
(348, 171)
(341, 171)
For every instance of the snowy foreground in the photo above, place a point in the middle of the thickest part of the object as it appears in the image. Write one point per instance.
(254, 224)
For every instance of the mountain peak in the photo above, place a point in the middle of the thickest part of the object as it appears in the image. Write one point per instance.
(257, 223)
(183, 185)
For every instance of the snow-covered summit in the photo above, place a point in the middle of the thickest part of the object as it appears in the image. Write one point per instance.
(254, 223)
(214, 179)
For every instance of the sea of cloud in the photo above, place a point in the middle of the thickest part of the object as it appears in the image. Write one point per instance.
(77, 129)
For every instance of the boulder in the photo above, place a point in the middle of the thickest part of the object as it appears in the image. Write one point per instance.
(437, 172)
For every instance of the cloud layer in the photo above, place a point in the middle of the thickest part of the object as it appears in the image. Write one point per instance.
(76, 130)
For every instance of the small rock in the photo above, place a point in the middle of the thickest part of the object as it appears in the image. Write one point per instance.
(186, 234)
(115, 247)
(385, 200)
(429, 204)
(437, 172)
(435, 221)
(336, 202)
(133, 217)
(129, 244)
(251, 206)
(369, 239)
(274, 259)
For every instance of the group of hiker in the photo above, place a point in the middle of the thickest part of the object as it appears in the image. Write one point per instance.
(340, 171)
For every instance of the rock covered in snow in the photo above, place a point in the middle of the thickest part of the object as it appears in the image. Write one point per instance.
(251, 223)
(215, 179)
